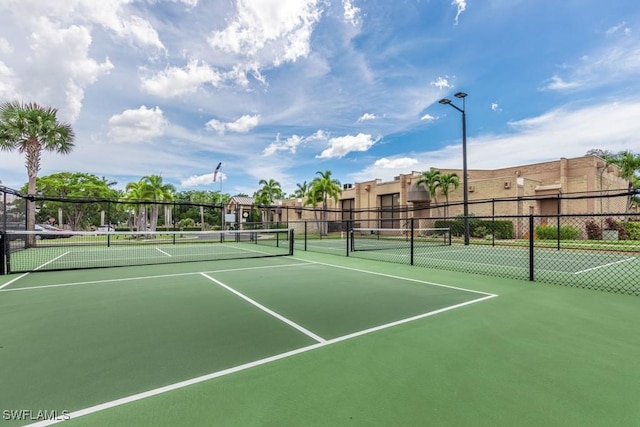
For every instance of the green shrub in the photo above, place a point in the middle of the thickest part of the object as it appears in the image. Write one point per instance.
(186, 223)
(632, 229)
(550, 232)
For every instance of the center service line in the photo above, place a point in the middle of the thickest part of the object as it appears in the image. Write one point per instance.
(266, 310)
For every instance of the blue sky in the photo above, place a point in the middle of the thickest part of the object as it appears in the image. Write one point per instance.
(280, 89)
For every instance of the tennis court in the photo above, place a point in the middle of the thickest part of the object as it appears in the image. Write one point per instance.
(312, 339)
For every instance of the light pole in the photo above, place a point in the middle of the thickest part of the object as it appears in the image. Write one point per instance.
(465, 186)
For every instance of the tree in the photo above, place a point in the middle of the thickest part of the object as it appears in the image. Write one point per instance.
(270, 191)
(156, 191)
(30, 129)
(629, 164)
(134, 193)
(446, 181)
(431, 182)
(76, 189)
(302, 190)
(323, 187)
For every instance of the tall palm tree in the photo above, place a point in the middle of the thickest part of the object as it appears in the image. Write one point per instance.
(134, 193)
(322, 188)
(270, 191)
(629, 164)
(446, 181)
(31, 129)
(157, 191)
(302, 190)
(431, 181)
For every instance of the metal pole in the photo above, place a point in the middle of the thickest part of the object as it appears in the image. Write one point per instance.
(465, 175)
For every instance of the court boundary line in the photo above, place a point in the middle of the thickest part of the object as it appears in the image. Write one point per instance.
(359, 270)
(159, 276)
(266, 309)
(260, 362)
(605, 265)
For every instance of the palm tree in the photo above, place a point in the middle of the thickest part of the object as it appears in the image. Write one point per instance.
(323, 187)
(157, 191)
(446, 181)
(270, 191)
(302, 190)
(629, 165)
(136, 191)
(30, 129)
(431, 181)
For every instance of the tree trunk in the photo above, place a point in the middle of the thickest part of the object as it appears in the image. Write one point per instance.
(31, 211)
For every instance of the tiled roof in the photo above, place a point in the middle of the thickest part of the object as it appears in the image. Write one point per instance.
(241, 200)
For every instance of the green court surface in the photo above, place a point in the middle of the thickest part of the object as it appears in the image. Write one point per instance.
(315, 340)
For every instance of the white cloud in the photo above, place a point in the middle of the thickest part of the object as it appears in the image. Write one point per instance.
(206, 179)
(366, 116)
(441, 83)
(399, 163)
(428, 118)
(137, 125)
(622, 27)
(461, 6)
(288, 145)
(175, 81)
(7, 82)
(269, 32)
(557, 83)
(59, 66)
(5, 46)
(292, 143)
(350, 12)
(190, 3)
(242, 125)
(386, 169)
(341, 146)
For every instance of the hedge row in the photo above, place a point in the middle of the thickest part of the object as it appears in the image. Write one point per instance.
(480, 228)
(550, 232)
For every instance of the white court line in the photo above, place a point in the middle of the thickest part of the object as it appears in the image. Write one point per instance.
(192, 381)
(162, 252)
(605, 265)
(160, 276)
(267, 310)
(401, 278)
(35, 269)
(13, 281)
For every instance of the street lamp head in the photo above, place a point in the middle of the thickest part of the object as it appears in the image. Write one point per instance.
(460, 95)
(445, 101)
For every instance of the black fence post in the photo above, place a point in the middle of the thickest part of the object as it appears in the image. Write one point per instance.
(558, 220)
(493, 222)
(531, 249)
(411, 246)
(3, 258)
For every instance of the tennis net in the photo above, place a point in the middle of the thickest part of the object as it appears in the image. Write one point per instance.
(371, 239)
(24, 251)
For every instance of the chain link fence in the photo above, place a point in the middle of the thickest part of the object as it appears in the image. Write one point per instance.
(555, 239)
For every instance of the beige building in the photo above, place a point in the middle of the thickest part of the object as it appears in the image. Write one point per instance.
(568, 186)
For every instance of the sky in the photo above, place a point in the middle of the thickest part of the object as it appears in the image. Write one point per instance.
(282, 89)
